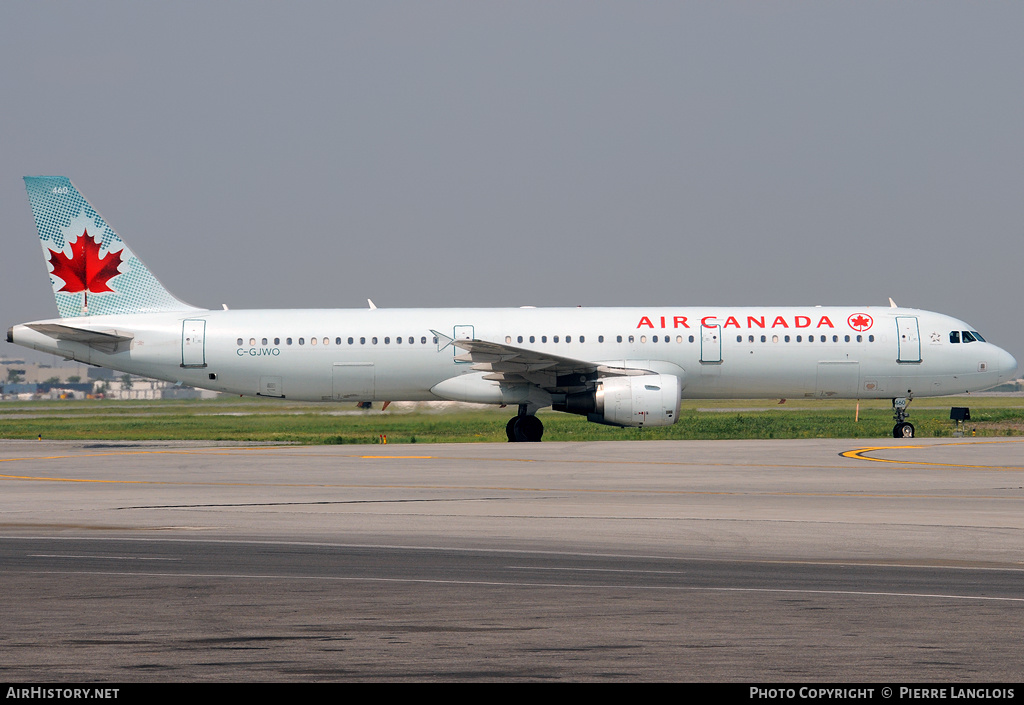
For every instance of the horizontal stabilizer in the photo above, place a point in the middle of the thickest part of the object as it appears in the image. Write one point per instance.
(109, 342)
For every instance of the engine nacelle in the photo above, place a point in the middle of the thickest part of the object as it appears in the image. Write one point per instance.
(642, 400)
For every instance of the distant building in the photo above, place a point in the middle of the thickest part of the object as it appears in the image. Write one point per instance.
(75, 381)
(38, 372)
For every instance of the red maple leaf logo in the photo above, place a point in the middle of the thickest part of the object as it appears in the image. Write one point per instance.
(85, 270)
(860, 321)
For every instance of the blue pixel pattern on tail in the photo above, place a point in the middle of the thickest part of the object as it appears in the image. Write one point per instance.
(92, 272)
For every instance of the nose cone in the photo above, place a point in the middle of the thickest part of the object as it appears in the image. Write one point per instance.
(1007, 366)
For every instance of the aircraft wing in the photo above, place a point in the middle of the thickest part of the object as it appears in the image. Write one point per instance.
(104, 341)
(507, 363)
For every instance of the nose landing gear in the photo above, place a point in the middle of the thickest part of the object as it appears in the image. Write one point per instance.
(902, 429)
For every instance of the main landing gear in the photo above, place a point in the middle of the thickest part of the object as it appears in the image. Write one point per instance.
(902, 429)
(524, 428)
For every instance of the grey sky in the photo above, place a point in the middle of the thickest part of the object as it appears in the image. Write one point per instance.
(314, 154)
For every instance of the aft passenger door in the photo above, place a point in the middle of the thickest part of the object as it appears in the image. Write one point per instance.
(193, 342)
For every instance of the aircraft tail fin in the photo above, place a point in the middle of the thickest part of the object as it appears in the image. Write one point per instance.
(92, 272)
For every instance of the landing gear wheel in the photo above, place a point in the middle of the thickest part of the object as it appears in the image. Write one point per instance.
(903, 430)
(510, 429)
(528, 429)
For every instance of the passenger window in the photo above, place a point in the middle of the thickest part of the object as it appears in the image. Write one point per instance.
(600, 339)
(764, 339)
(739, 338)
(643, 339)
(631, 339)
(239, 342)
(519, 339)
(398, 340)
(691, 338)
(618, 339)
(277, 341)
(787, 338)
(252, 341)
(373, 340)
(312, 341)
(423, 340)
(543, 339)
(860, 338)
(387, 340)
(288, 341)
(533, 339)
(508, 338)
(582, 339)
(264, 341)
(327, 341)
(351, 340)
(679, 338)
(871, 338)
(302, 341)
(799, 339)
(555, 339)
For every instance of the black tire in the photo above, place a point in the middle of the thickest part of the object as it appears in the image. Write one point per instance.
(528, 429)
(510, 429)
(903, 430)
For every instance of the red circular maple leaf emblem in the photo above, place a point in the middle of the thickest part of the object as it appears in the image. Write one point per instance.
(860, 321)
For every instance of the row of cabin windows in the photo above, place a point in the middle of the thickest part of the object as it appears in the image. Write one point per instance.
(954, 337)
(690, 338)
(339, 341)
(810, 338)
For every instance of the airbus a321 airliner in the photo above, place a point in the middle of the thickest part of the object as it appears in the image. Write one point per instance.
(617, 366)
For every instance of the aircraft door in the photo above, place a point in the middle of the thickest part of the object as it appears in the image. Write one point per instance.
(354, 381)
(839, 379)
(193, 342)
(908, 339)
(271, 387)
(462, 333)
(711, 344)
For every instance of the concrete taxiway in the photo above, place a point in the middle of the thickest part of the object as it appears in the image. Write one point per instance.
(704, 560)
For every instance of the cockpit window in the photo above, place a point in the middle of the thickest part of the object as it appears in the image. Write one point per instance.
(967, 337)
(954, 336)
(977, 336)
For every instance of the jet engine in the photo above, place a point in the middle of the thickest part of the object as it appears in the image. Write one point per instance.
(641, 400)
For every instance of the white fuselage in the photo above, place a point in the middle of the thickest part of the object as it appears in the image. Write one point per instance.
(393, 355)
